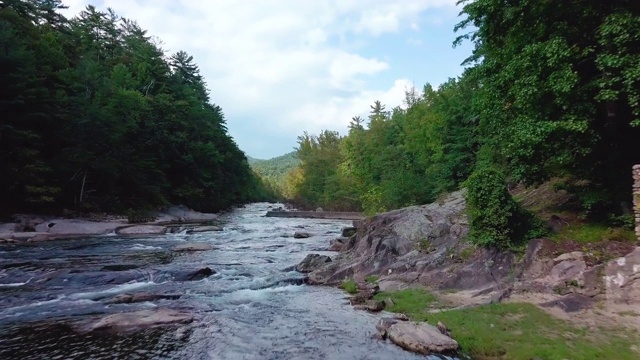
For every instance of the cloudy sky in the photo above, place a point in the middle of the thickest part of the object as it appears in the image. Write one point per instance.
(280, 67)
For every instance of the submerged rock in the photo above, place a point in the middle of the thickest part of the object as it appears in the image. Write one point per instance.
(301, 235)
(196, 275)
(201, 229)
(192, 247)
(140, 297)
(312, 262)
(420, 337)
(142, 230)
(143, 319)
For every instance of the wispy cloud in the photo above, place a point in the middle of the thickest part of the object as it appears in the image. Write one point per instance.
(278, 68)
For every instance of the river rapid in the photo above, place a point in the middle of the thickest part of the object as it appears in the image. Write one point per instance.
(249, 309)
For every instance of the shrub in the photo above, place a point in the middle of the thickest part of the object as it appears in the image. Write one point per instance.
(349, 286)
(139, 216)
(496, 219)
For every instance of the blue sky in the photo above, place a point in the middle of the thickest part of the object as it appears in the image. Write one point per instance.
(281, 67)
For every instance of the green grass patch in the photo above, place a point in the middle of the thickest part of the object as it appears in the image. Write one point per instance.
(349, 286)
(371, 279)
(518, 331)
(588, 233)
(411, 302)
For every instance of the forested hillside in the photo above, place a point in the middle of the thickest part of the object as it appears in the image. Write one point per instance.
(274, 171)
(552, 90)
(96, 117)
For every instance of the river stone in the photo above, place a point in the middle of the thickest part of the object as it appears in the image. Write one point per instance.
(142, 319)
(201, 229)
(301, 235)
(140, 297)
(193, 247)
(420, 337)
(312, 262)
(371, 305)
(385, 323)
(142, 230)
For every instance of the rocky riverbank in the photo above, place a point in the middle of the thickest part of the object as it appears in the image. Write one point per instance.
(425, 247)
(34, 228)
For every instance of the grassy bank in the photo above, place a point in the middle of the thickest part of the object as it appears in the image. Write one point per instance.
(517, 331)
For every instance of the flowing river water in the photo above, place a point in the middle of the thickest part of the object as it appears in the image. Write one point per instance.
(249, 309)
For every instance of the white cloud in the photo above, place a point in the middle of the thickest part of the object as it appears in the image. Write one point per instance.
(283, 66)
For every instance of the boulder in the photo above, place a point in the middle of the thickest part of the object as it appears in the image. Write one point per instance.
(371, 305)
(142, 230)
(201, 229)
(193, 246)
(78, 227)
(143, 319)
(301, 235)
(195, 275)
(571, 303)
(184, 214)
(385, 323)
(421, 338)
(40, 237)
(622, 279)
(312, 262)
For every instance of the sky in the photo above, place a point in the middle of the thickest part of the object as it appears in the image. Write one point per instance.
(278, 68)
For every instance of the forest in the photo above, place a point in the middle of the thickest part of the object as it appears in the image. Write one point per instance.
(97, 118)
(551, 91)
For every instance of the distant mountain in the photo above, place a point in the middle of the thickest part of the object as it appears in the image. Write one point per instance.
(277, 168)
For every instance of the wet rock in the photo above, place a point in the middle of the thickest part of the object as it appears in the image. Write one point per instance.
(348, 231)
(336, 244)
(371, 306)
(571, 303)
(8, 241)
(385, 323)
(192, 247)
(301, 235)
(141, 297)
(421, 338)
(142, 319)
(39, 237)
(362, 297)
(201, 229)
(194, 276)
(142, 230)
(312, 262)
(622, 279)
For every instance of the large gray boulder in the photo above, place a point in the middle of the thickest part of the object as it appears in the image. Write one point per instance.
(312, 262)
(622, 279)
(420, 337)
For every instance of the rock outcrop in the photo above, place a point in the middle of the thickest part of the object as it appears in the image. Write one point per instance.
(201, 229)
(137, 230)
(622, 279)
(419, 244)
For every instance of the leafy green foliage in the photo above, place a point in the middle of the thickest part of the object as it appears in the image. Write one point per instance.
(349, 286)
(496, 219)
(274, 171)
(96, 118)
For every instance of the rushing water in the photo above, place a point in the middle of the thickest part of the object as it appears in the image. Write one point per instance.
(250, 309)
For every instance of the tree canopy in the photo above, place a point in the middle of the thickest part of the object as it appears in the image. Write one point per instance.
(97, 118)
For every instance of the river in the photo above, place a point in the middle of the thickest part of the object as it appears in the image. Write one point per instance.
(249, 309)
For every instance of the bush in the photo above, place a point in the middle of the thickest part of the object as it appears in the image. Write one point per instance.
(496, 219)
(139, 216)
(349, 286)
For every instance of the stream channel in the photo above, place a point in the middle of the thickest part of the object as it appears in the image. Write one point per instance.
(249, 309)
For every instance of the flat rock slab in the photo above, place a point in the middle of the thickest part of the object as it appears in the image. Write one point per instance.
(142, 230)
(140, 297)
(201, 229)
(421, 338)
(142, 319)
(193, 247)
(571, 303)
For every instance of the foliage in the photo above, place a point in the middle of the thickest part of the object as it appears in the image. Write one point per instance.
(349, 286)
(138, 216)
(372, 279)
(496, 219)
(411, 302)
(97, 118)
(274, 171)
(594, 232)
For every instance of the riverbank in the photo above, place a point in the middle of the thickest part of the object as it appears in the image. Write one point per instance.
(568, 293)
(35, 228)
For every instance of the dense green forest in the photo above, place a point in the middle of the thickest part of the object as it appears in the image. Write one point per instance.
(551, 90)
(274, 171)
(96, 117)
